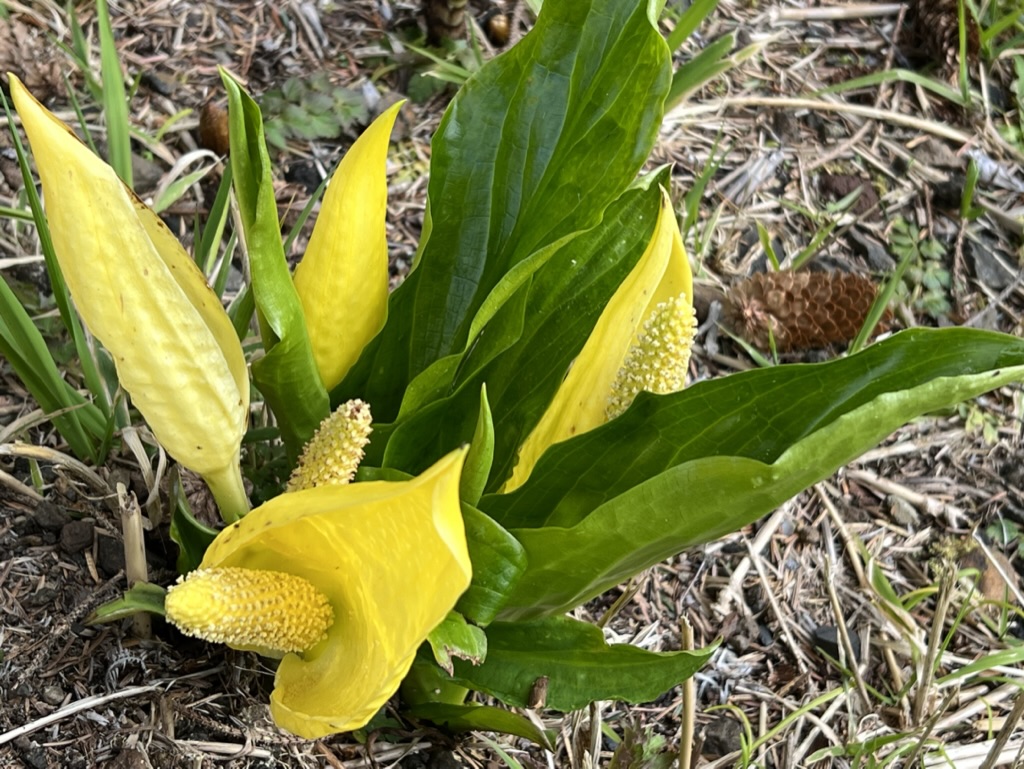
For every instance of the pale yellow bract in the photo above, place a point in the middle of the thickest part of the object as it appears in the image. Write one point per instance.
(597, 388)
(144, 298)
(342, 279)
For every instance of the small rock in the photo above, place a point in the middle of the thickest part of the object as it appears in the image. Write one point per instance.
(32, 753)
(835, 187)
(765, 637)
(990, 270)
(129, 758)
(722, 736)
(109, 555)
(873, 252)
(304, 173)
(44, 596)
(75, 536)
(826, 639)
(53, 695)
(49, 517)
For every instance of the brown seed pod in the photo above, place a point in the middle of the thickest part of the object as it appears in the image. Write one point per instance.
(213, 128)
(498, 29)
(803, 310)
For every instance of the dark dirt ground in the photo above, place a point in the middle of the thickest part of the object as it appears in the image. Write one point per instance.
(77, 696)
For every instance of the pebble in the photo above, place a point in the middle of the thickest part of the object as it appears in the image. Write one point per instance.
(722, 736)
(49, 517)
(76, 536)
(826, 639)
(32, 753)
(109, 555)
(52, 695)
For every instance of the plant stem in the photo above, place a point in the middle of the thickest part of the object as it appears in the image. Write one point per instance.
(229, 492)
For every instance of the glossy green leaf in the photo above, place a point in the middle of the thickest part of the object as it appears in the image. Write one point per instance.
(140, 597)
(481, 454)
(679, 470)
(498, 562)
(473, 717)
(191, 536)
(287, 374)
(532, 149)
(456, 638)
(530, 342)
(579, 666)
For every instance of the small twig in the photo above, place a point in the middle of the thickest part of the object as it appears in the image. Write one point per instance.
(44, 454)
(929, 729)
(924, 503)
(837, 13)
(681, 114)
(689, 702)
(86, 703)
(780, 615)
(732, 592)
(927, 665)
(844, 634)
(8, 480)
(1005, 733)
(135, 567)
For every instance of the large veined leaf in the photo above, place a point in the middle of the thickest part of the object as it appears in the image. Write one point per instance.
(577, 663)
(287, 374)
(532, 149)
(679, 470)
(527, 347)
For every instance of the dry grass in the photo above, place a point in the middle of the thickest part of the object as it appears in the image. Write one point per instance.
(872, 559)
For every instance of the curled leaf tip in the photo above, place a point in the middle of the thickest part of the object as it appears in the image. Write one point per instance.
(332, 456)
(250, 608)
(658, 359)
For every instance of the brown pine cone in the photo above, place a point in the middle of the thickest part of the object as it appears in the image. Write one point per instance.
(933, 31)
(804, 310)
(446, 20)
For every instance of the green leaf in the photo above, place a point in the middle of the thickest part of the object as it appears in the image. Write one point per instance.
(679, 470)
(472, 717)
(531, 340)
(455, 637)
(577, 663)
(287, 375)
(191, 536)
(532, 149)
(115, 101)
(80, 423)
(481, 454)
(142, 596)
(498, 562)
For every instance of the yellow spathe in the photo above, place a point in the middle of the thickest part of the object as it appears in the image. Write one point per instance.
(342, 280)
(661, 277)
(390, 557)
(141, 295)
